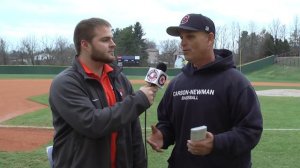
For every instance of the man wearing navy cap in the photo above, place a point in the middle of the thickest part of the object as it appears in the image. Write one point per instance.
(209, 91)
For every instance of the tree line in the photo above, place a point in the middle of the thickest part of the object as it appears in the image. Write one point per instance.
(247, 45)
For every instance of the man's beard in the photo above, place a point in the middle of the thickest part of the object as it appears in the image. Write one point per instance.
(101, 57)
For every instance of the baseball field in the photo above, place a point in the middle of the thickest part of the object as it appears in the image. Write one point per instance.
(26, 123)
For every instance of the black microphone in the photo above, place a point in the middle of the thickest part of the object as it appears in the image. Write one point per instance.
(161, 66)
(157, 76)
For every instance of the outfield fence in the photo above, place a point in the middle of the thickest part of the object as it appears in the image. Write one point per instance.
(288, 61)
(133, 71)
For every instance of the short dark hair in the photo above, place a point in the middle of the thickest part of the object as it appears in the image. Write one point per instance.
(85, 30)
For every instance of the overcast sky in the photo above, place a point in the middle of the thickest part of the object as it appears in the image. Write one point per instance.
(53, 18)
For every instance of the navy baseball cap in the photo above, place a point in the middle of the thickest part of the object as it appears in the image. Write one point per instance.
(193, 22)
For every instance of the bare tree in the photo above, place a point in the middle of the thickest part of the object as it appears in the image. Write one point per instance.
(239, 57)
(252, 41)
(18, 56)
(63, 51)
(275, 28)
(282, 32)
(29, 46)
(47, 45)
(47, 49)
(3, 52)
(295, 37)
(150, 44)
(169, 49)
(252, 27)
(234, 35)
(223, 37)
(217, 36)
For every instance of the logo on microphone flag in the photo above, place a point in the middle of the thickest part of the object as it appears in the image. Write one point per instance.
(162, 79)
(152, 75)
(156, 77)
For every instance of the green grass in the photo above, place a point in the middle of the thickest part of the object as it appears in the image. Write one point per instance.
(276, 73)
(43, 99)
(277, 148)
(41, 117)
(280, 112)
(32, 159)
(280, 147)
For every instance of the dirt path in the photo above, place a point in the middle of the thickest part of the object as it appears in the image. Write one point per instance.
(14, 101)
(23, 139)
(276, 84)
(14, 94)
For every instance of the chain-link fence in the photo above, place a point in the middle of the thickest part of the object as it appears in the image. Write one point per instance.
(288, 61)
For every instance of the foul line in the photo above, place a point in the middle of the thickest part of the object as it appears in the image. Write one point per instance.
(265, 129)
(282, 129)
(21, 126)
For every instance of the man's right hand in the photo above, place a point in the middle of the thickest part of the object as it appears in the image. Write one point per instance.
(156, 139)
(150, 92)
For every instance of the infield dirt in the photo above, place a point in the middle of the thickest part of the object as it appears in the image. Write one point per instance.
(14, 94)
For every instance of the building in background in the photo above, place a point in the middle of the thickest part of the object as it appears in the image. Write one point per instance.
(152, 56)
(179, 61)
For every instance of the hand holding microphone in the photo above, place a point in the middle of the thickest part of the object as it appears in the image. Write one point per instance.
(156, 78)
(150, 92)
